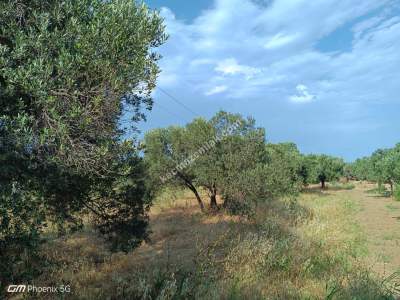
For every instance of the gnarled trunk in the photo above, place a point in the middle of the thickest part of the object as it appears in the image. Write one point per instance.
(213, 197)
(190, 185)
(199, 201)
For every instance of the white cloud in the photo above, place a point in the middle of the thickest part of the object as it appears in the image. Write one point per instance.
(273, 45)
(216, 90)
(231, 67)
(302, 96)
(262, 52)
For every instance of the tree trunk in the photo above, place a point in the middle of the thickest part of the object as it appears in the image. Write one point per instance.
(198, 199)
(213, 197)
(323, 184)
(189, 184)
(213, 201)
(391, 188)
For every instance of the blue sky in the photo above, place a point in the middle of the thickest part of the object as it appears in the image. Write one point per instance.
(324, 74)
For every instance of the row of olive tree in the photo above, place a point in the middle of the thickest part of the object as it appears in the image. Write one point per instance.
(68, 71)
(321, 169)
(383, 167)
(241, 167)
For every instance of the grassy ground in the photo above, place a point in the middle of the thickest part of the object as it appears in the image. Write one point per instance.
(380, 218)
(327, 245)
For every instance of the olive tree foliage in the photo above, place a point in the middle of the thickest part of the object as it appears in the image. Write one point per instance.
(349, 172)
(203, 154)
(165, 151)
(363, 169)
(385, 166)
(225, 155)
(68, 71)
(273, 174)
(323, 168)
(225, 169)
(305, 170)
(382, 167)
(285, 162)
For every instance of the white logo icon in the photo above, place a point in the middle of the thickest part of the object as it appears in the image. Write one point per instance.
(14, 288)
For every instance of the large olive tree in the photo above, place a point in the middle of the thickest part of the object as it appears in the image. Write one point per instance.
(68, 72)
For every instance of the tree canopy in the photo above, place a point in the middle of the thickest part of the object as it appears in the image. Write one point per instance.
(225, 155)
(383, 167)
(322, 168)
(69, 71)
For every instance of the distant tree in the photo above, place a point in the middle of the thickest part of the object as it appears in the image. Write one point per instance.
(348, 171)
(325, 168)
(307, 169)
(386, 166)
(239, 147)
(273, 174)
(363, 169)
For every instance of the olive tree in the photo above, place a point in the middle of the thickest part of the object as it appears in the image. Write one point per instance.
(325, 168)
(68, 72)
(239, 146)
(386, 166)
(285, 162)
(363, 169)
(225, 155)
(167, 155)
(203, 154)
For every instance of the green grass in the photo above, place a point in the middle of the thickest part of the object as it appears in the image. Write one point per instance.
(341, 186)
(390, 236)
(392, 207)
(380, 190)
(385, 258)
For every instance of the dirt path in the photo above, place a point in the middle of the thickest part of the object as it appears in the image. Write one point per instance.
(379, 218)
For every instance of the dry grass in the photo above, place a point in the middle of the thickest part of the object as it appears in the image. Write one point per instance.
(178, 233)
(313, 249)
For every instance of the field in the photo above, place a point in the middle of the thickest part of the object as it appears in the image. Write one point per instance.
(341, 243)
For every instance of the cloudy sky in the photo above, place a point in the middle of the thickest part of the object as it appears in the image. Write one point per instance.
(324, 74)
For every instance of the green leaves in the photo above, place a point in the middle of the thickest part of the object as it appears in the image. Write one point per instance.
(226, 155)
(383, 166)
(322, 168)
(72, 63)
(68, 69)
